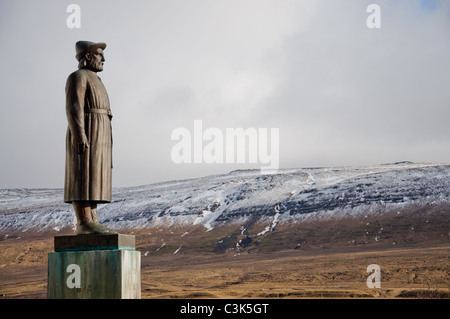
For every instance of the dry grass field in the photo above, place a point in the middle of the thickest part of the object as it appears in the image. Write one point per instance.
(415, 273)
(307, 260)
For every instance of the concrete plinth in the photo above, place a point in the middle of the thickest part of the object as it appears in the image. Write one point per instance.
(94, 267)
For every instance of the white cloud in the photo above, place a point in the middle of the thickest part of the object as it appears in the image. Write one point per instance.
(339, 92)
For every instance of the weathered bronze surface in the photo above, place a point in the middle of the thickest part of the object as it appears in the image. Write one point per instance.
(88, 140)
(94, 274)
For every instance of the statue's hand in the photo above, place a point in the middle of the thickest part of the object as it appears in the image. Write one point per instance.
(83, 145)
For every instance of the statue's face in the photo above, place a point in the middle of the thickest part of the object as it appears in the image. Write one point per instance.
(95, 60)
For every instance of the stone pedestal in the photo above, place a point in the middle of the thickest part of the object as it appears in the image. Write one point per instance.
(94, 267)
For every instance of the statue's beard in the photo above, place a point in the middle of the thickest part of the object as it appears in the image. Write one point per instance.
(96, 66)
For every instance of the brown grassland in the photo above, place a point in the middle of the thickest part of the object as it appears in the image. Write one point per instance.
(315, 259)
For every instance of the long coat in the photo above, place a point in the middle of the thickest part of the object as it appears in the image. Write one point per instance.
(88, 175)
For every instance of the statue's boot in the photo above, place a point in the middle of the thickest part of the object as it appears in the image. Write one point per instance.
(90, 228)
(85, 223)
(99, 226)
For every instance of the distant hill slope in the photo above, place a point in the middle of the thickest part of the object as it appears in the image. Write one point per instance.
(242, 198)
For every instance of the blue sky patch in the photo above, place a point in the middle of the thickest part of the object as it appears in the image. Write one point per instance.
(430, 5)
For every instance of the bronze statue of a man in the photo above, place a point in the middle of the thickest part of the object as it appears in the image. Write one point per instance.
(88, 140)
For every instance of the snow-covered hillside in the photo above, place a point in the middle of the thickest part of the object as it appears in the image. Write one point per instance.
(239, 197)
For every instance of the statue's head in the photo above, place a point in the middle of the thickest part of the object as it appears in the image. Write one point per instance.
(90, 55)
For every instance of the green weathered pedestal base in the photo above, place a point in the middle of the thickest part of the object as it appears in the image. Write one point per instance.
(97, 273)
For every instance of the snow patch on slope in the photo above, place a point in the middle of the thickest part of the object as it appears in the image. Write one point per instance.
(291, 195)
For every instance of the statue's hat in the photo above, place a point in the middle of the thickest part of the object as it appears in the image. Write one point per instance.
(83, 47)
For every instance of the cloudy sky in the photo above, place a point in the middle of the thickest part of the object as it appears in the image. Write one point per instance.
(339, 92)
